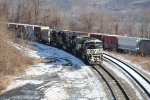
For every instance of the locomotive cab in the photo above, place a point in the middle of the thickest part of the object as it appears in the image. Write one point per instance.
(93, 51)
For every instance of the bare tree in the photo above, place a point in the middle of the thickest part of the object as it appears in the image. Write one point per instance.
(128, 28)
(54, 18)
(29, 11)
(36, 9)
(145, 23)
(88, 21)
(4, 10)
(101, 20)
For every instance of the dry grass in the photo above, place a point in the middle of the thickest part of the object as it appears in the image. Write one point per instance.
(141, 60)
(12, 61)
(4, 80)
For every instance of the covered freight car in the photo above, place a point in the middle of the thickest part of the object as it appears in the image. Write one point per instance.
(144, 47)
(126, 43)
(110, 42)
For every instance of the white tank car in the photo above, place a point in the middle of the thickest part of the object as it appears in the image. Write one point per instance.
(127, 43)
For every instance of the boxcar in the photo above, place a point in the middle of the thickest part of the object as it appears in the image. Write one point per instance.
(110, 42)
(144, 47)
(126, 43)
(45, 34)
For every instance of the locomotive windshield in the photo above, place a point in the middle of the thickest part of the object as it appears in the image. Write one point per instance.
(93, 45)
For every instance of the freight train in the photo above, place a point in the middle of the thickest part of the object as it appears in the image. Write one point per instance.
(89, 46)
(79, 43)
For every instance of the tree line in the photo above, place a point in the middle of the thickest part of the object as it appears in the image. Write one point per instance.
(88, 20)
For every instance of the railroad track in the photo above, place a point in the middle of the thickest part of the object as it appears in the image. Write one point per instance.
(115, 88)
(136, 76)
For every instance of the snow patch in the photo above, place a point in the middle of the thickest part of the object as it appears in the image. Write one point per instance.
(62, 77)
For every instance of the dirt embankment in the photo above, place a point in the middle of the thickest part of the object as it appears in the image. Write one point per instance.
(12, 61)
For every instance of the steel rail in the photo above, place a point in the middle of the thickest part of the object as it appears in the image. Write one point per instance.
(131, 68)
(142, 87)
(106, 82)
(117, 82)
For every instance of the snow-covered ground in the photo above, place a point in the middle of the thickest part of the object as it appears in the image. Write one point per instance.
(63, 76)
(123, 75)
(135, 65)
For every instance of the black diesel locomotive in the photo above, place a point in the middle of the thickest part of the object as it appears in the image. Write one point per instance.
(78, 43)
